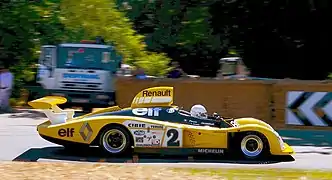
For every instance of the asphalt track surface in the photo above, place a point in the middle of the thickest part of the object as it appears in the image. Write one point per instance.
(20, 142)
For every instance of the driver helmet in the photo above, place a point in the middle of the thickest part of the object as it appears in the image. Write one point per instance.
(198, 111)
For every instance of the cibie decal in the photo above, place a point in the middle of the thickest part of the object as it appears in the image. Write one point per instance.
(170, 110)
(139, 132)
(147, 93)
(146, 111)
(210, 151)
(136, 125)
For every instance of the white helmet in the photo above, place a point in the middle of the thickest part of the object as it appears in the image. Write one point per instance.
(198, 111)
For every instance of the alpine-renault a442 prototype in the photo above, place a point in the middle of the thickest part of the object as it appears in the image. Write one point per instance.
(152, 124)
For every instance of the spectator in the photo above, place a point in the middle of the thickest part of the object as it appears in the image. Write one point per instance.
(139, 73)
(6, 84)
(176, 72)
(125, 70)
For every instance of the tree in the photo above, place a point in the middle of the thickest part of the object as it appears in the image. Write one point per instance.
(25, 26)
(278, 39)
(180, 28)
(101, 17)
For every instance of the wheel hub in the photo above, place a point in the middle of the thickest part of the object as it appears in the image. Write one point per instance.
(114, 141)
(252, 146)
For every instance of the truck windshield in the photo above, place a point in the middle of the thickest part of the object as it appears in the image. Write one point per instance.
(228, 68)
(85, 58)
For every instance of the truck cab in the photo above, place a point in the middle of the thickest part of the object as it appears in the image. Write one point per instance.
(82, 72)
(232, 68)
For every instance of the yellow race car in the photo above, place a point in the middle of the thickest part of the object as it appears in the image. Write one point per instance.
(154, 125)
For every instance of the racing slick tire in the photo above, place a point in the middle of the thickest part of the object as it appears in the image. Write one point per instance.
(252, 146)
(115, 140)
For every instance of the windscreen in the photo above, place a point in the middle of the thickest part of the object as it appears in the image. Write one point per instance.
(228, 68)
(85, 58)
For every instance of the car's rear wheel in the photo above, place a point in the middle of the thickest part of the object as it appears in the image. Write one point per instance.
(115, 140)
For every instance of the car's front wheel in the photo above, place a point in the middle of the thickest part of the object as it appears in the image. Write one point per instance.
(115, 140)
(253, 146)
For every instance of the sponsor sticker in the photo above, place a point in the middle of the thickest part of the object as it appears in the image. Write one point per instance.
(150, 138)
(170, 110)
(86, 131)
(155, 142)
(211, 151)
(136, 125)
(209, 124)
(66, 132)
(146, 111)
(156, 126)
(192, 122)
(147, 93)
(139, 139)
(139, 132)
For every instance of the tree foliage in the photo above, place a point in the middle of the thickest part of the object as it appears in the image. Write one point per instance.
(179, 28)
(277, 39)
(101, 17)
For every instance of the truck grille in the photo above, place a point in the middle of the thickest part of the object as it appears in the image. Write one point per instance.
(80, 85)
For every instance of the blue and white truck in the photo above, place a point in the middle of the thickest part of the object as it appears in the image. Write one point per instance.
(82, 72)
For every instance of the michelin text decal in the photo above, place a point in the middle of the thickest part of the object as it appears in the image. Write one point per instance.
(211, 151)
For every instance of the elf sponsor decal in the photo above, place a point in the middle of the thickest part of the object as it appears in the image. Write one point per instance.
(146, 111)
(210, 151)
(66, 132)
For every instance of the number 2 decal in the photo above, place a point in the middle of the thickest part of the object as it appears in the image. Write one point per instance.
(173, 137)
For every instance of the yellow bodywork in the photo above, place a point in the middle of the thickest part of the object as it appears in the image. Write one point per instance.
(85, 129)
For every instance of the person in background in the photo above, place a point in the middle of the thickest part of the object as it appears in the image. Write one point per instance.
(139, 73)
(6, 84)
(176, 72)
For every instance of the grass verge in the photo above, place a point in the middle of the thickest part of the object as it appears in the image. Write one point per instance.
(260, 174)
(95, 171)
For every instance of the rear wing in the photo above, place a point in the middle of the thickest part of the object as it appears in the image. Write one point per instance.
(49, 106)
(48, 102)
(156, 96)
